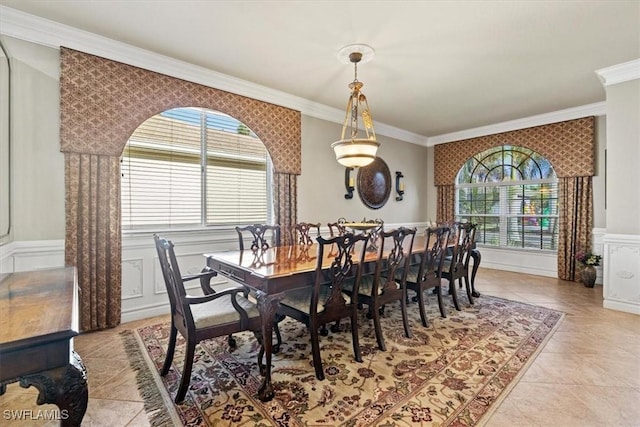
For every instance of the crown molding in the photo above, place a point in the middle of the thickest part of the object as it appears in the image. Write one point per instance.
(596, 109)
(619, 73)
(45, 32)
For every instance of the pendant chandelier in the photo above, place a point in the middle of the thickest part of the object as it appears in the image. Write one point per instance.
(356, 150)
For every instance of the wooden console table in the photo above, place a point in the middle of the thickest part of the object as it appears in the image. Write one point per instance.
(38, 320)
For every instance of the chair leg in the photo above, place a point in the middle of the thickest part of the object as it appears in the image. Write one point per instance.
(336, 326)
(323, 330)
(355, 338)
(375, 315)
(423, 314)
(170, 351)
(454, 294)
(405, 319)
(186, 372)
(467, 285)
(443, 312)
(315, 352)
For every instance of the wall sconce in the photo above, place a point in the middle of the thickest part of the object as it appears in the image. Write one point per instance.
(399, 186)
(349, 183)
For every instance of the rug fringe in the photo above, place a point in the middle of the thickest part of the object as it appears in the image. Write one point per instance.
(154, 401)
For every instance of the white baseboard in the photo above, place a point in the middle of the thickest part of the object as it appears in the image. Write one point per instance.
(144, 312)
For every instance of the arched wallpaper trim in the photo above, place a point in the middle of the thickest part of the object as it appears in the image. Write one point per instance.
(104, 101)
(569, 146)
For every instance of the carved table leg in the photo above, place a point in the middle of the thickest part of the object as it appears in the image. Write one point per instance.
(268, 306)
(475, 254)
(65, 387)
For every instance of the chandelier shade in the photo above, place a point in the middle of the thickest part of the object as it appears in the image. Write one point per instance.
(356, 149)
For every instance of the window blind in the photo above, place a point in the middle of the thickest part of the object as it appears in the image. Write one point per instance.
(193, 167)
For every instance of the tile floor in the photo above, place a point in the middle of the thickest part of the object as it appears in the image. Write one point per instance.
(588, 374)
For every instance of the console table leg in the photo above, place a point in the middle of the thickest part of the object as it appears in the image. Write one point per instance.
(65, 387)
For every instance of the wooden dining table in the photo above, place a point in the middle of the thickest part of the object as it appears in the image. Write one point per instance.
(276, 270)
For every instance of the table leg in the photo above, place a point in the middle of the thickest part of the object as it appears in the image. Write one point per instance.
(65, 387)
(268, 307)
(477, 257)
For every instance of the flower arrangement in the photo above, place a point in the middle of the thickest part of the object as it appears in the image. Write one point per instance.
(588, 258)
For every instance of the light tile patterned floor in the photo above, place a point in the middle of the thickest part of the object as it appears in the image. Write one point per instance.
(588, 374)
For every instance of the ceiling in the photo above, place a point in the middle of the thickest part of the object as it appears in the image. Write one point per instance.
(439, 66)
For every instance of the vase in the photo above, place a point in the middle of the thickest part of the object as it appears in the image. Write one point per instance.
(589, 276)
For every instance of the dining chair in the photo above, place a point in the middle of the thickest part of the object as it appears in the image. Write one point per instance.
(382, 287)
(324, 302)
(456, 266)
(202, 317)
(374, 234)
(337, 228)
(262, 236)
(301, 233)
(427, 273)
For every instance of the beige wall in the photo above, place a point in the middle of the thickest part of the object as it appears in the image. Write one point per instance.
(37, 181)
(321, 186)
(599, 212)
(623, 158)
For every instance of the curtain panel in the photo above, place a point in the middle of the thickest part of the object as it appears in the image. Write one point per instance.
(92, 243)
(101, 103)
(446, 204)
(576, 222)
(285, 204)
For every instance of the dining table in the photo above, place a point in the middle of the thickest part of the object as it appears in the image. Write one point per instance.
(273, 271)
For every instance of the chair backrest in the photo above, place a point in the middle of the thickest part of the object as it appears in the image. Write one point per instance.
(343, 250)
(172, 277)
(464, 243)
(263, 236)
(337, 228)
(467, 240)
(434, 254)
(301, 233)
(394, 255)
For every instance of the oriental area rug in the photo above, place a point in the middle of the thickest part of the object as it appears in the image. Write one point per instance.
(453, 373)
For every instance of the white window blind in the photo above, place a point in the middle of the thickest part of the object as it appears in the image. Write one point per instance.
(193, 167)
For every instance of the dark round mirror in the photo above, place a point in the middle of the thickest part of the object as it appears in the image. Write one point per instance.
(374, 184)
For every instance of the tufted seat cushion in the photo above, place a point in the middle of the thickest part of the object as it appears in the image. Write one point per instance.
(300, 299)
(221, 311)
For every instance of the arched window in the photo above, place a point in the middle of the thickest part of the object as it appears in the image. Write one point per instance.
(193, 167)
(512, 194)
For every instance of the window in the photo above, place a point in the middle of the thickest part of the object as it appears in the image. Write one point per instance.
(189, 167)
(512, 194)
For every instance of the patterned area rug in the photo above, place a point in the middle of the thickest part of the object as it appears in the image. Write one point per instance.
(453, 373)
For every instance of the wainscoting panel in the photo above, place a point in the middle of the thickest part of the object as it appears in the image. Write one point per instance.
(622, 272)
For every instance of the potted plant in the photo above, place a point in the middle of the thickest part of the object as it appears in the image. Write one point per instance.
(590, 261)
